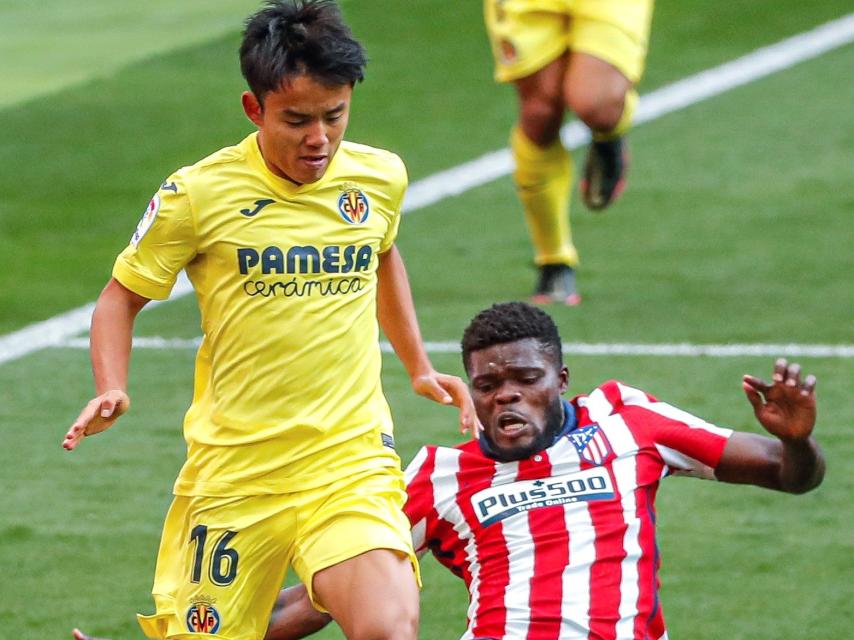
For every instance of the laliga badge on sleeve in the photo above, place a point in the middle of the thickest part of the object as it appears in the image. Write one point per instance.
(147, 220)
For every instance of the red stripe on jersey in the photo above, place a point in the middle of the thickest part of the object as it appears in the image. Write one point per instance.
(551, 555)
(420, 499)
(582, 415)
(695, 442)
(610, 528)
(613, 395)
(649, 621)
(440, 536)
(606, 571)
(491, 615)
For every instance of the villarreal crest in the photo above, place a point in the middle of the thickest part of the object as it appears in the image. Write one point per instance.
(353, 206)
(202, 617)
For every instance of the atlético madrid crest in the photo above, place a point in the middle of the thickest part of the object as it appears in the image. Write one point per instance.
(353, 206)
(202, 616)
(591, 444)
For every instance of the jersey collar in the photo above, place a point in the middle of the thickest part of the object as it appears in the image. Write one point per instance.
(277, 183)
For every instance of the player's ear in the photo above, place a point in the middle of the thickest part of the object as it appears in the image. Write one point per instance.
(252, 108)
(564, 379)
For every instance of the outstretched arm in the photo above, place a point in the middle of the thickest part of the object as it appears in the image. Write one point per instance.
(110, 338)
(396, 314)
(791, 461)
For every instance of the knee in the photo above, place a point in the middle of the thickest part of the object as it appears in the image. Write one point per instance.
(599, 111)
(540, 118)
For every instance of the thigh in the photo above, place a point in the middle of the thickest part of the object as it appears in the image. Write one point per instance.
(525, 35)
(373, 595)
(232, 562)
(541, 101)
(615, 31)
(351, 518)
(591, 84)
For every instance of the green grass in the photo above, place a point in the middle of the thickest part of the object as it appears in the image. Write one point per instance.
(57, 44)
(734, 229)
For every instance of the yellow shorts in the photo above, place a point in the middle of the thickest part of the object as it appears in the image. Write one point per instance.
(528, 34)
(222, 561)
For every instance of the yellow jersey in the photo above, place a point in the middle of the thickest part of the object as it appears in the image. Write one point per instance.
(287, 391)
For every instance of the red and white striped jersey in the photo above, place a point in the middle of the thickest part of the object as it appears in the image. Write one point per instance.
(562, 545)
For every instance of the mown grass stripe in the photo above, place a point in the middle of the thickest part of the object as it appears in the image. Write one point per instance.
(432, 189)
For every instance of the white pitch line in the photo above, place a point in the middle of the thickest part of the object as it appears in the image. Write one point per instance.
(571, 348)
(679, 95)
(497, 164)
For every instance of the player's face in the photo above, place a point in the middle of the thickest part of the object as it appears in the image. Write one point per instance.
(516, 389)
(300, 126)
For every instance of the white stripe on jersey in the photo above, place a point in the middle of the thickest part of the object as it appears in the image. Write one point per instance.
(597, 405)
(625, 471)
(419, 535)
(419, 529)
(445, 489)
(582, 551)
(681, 465)
(637, 397)
(678, 462)
(414, 467)
(520, 563)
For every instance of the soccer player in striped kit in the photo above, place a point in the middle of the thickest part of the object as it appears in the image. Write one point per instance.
(549, 516)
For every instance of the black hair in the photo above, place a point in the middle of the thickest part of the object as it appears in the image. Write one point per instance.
(299, 37)
(509, 322)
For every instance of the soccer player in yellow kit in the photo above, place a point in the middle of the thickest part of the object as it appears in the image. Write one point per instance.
(288, 240)
(585, 56)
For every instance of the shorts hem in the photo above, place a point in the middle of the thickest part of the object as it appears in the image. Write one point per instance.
(352, 553)
(512, 73)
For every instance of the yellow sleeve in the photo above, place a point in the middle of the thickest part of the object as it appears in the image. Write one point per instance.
(398, 185)
(164, 242)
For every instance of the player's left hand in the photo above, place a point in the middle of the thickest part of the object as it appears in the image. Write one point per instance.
(448, 389)
(786, 407)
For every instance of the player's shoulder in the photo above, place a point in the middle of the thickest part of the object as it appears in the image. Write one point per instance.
(372, 156)
(433, 456)
(222, 157)
(358, 149)
(215, 162)
(615, 394)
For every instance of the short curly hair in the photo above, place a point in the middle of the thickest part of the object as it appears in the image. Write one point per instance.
(509, 322)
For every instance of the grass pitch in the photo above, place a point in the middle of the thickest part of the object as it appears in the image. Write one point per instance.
(734, 229)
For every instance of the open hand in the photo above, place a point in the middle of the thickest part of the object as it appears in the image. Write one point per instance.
(98, 415)
(447, 389)
(786, 407)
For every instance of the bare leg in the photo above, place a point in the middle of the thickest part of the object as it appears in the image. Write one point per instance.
(373, 596)
(596, 92)
(604, 99)
(541, 104)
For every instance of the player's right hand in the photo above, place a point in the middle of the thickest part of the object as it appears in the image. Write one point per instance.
(98, 415)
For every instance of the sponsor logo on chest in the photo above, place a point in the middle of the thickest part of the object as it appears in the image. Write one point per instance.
(497, 503)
